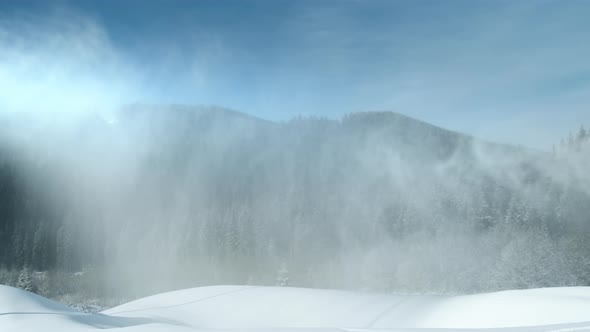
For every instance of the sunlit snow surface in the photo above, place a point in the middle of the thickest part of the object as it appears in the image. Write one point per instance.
(296, 309)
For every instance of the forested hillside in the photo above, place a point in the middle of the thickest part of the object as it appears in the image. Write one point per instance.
(164, 197)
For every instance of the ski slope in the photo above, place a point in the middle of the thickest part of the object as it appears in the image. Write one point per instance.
(254, 308)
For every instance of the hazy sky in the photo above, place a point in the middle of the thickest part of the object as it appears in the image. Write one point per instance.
(511, 71)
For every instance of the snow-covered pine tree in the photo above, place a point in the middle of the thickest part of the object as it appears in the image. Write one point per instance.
(39, 250)
(283, 276)
(25, 280)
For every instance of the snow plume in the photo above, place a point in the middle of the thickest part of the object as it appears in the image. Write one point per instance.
(174, 196)
(61, 64)
(62, 81)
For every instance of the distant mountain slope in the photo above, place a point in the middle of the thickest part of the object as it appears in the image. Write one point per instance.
(200, 195)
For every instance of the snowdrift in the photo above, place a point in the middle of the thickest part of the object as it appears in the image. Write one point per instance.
(297, 309)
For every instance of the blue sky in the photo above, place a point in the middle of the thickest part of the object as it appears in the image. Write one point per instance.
(510, 71)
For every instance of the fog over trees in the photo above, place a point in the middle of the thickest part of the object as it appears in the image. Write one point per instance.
(166, 197)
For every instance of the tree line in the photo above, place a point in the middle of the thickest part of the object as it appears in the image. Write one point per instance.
(178, 197)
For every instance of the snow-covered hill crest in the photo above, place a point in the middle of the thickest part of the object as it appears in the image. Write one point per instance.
(298, 309)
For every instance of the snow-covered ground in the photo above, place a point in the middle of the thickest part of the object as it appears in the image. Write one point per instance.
(297, 309)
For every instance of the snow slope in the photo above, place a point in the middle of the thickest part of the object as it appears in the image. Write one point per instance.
(297, 309)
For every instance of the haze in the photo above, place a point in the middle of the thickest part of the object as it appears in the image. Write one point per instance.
(410, 147)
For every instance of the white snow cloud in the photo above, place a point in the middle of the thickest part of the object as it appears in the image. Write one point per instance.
(63, 63)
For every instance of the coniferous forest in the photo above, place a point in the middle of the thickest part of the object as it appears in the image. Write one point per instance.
(96, 212)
